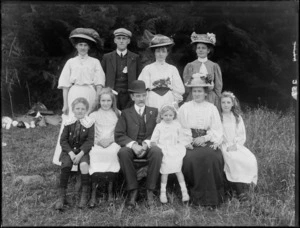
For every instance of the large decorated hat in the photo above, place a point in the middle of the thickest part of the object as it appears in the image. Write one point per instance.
(137, 86)
(208, 38)
(84, 33)
(160, 41)
(200, 80)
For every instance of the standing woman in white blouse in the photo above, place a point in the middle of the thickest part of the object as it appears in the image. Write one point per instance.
(82, 76)
(203, 165)
(203, 45)
(162, 80)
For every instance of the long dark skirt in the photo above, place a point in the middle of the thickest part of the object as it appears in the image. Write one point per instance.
(203, 171)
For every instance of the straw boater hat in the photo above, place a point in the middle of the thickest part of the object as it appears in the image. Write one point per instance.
(160, 41)
(84, 33)
(208, 38)
(199, 80)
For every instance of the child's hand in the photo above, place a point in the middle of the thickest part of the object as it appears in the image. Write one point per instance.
(72, 155)
(213, 146)
(232, 148)
(189, 146)
(78, 158)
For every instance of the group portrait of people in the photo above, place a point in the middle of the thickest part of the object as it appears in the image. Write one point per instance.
(117, 113)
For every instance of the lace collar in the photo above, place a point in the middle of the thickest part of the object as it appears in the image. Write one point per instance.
(86, 121)
(202, 60)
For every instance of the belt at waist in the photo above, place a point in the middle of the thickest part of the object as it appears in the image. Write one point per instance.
(160, 90)
(198, 132)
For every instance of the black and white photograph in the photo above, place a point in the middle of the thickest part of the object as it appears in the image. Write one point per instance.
(150, 113)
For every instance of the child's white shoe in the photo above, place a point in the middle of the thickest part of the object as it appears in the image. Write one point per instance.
(163, 197)
(185, 196)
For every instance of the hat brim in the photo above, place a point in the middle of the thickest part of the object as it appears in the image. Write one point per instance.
(83, 36)
(137, 91)
(198, 85)
(206, 42)
(122, 34)
(161, 45)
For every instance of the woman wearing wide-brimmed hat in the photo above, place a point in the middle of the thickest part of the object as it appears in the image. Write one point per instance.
(82, 76)
(203, 45)
(162, 79)
(203, 165)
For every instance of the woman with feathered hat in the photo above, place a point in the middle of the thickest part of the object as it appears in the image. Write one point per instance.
(203, 45)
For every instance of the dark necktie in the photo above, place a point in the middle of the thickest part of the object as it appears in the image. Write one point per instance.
(121, 55)
(77, 131)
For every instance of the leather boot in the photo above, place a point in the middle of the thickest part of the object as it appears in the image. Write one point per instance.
(150, 199)
(93, 196)
(62, 199)
(131, 202)
(84, 196)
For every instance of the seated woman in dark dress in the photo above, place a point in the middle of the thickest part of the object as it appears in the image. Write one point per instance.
(203, 165)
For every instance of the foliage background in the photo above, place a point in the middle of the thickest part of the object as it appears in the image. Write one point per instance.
(254, 44)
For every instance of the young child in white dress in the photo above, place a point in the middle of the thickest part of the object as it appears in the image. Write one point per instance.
(168, 136)
(103, 155)
(240, 163)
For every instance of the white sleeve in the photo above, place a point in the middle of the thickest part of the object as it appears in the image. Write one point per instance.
(177, 85)
(240, 137)
(145, 76)
(185, 132)
(215, 132)
(99, 74)
(64, 78)
(155, 134)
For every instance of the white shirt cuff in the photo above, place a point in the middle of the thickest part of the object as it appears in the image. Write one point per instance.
(130, 144)
(148, 142)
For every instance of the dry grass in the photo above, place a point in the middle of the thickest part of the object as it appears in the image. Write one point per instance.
(270, 136)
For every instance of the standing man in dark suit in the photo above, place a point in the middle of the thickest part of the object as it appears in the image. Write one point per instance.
(133, 132)
(121, 67)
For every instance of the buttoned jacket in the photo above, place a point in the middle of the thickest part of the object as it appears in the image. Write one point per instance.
(127, 127)
(109, 65)
(86, 139)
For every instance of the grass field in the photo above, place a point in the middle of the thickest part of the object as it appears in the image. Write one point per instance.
(270, 136)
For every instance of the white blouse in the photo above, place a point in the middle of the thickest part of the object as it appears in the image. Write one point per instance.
(204, 115)
(81, 71)
(105, 123)
(233, 133)
(156, 71)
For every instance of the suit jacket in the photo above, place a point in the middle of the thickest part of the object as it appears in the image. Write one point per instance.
(109, 63)
(86, 139)
(127, 127)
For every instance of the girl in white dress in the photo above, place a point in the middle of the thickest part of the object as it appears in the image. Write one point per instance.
(82, 76)
(240, 164)
(167, 136)
(103, 155)
(162, 79)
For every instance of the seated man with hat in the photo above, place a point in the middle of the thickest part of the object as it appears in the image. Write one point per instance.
(121, 67)
(133, 133)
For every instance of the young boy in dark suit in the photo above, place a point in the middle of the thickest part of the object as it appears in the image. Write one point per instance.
(76, 141)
